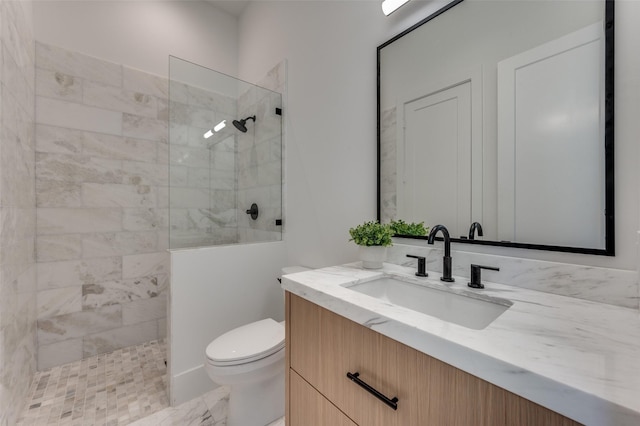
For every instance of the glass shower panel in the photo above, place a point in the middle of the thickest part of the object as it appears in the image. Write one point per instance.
(225, 155)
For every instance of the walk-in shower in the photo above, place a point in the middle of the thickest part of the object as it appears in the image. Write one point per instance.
(218, 172)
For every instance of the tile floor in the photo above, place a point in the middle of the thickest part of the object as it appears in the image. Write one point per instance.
(125, 387)
(108, 389)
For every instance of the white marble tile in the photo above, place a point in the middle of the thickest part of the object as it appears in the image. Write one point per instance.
(78, 168)
(190, 198)
(145, 264)
(58, 247)
(149, 219)
(58, 140)
(59, 353)
(59, 301)
(78, 324)
(60, 113)
(53, 84)
(69, 220)
(217, 401)
(202, 98)
(143, 82)
(121, 337)
(198, 178)
(78, 272)
(123, 292)
(115, 195)
(144, 128)
(118, 99)
(137, 173)
(178, 134)
(55, 193)
(179, 175)
(118, 243)
(74, 63)
(194, 412)
(193, 157)
(144, 310)
(118, 148)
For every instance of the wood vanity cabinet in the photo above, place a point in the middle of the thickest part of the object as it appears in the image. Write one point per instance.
(322, 347)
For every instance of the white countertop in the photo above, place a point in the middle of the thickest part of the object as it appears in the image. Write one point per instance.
(576, 357)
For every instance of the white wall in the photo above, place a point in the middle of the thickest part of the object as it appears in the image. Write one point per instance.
(141, 34)
(214, 290)
(331, 119)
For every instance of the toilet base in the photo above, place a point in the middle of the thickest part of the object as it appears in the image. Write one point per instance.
(256, 404)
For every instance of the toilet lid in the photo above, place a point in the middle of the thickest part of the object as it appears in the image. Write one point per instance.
(247, 343)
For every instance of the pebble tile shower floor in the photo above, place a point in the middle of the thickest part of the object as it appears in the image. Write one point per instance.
(111, 389)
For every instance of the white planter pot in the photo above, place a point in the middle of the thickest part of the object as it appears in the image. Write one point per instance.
(373, 256)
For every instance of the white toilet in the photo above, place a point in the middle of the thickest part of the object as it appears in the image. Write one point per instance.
(250, 360)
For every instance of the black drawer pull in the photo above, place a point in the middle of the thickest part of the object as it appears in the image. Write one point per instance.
(393, 403)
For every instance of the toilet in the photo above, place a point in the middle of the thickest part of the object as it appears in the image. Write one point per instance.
(250, 360)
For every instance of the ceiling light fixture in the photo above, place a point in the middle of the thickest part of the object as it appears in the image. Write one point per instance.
(390, 6)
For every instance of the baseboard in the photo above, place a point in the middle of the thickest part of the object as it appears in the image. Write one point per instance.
(190, 384)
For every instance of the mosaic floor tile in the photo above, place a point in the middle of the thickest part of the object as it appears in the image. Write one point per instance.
(111, 389)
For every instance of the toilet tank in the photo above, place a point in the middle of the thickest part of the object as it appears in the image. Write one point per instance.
(293, 269)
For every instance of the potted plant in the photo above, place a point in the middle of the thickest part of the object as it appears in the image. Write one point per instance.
(373, 239)
(400, 227)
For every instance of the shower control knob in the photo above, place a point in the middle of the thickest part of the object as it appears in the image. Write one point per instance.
(253, 211)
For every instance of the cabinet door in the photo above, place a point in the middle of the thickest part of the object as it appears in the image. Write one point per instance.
(325, 347)
(310, 408)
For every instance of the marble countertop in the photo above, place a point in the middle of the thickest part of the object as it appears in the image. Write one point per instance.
(575, 357)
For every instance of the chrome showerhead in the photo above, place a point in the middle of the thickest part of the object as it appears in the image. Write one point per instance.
(241, 125)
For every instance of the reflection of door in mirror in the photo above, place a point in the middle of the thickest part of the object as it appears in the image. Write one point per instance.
(434, 169)
(431, 153)
(550, 128)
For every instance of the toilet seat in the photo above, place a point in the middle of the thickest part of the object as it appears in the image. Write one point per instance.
(247, 344)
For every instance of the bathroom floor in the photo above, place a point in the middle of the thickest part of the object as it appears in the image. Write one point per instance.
(125, 387)
(108, 389)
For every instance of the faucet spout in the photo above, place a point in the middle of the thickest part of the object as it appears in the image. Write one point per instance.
(446, 260)
(445, 235)
(475, 226)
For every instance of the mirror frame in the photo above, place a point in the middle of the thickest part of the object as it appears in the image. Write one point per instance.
(609, 249)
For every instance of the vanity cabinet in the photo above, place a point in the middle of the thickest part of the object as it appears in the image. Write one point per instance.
(322, 347)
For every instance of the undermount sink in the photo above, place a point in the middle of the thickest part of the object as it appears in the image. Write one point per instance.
(462, 309)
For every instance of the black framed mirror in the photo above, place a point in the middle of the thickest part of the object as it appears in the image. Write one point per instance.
(501, 112)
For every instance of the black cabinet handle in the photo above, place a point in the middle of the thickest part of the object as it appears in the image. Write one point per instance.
(393, 403)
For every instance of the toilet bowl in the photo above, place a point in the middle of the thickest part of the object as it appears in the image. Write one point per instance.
(250, 360)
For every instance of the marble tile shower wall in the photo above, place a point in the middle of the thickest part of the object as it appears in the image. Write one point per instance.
(260, 159)
(102, 205)
(17, 208)
(203, 171)
(388, 165)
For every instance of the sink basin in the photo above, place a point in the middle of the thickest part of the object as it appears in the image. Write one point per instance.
(465, 310)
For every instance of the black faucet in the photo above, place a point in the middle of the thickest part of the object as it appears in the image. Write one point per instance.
(474, 226)
(422, 265)
(476, 281)
(446, 260)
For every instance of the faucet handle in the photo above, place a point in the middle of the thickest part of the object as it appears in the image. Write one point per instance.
(476, 281)
(422, 265)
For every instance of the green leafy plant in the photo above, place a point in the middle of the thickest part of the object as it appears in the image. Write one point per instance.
(371, 234)
(400, 227)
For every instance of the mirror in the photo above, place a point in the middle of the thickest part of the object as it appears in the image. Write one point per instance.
(501, 112)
